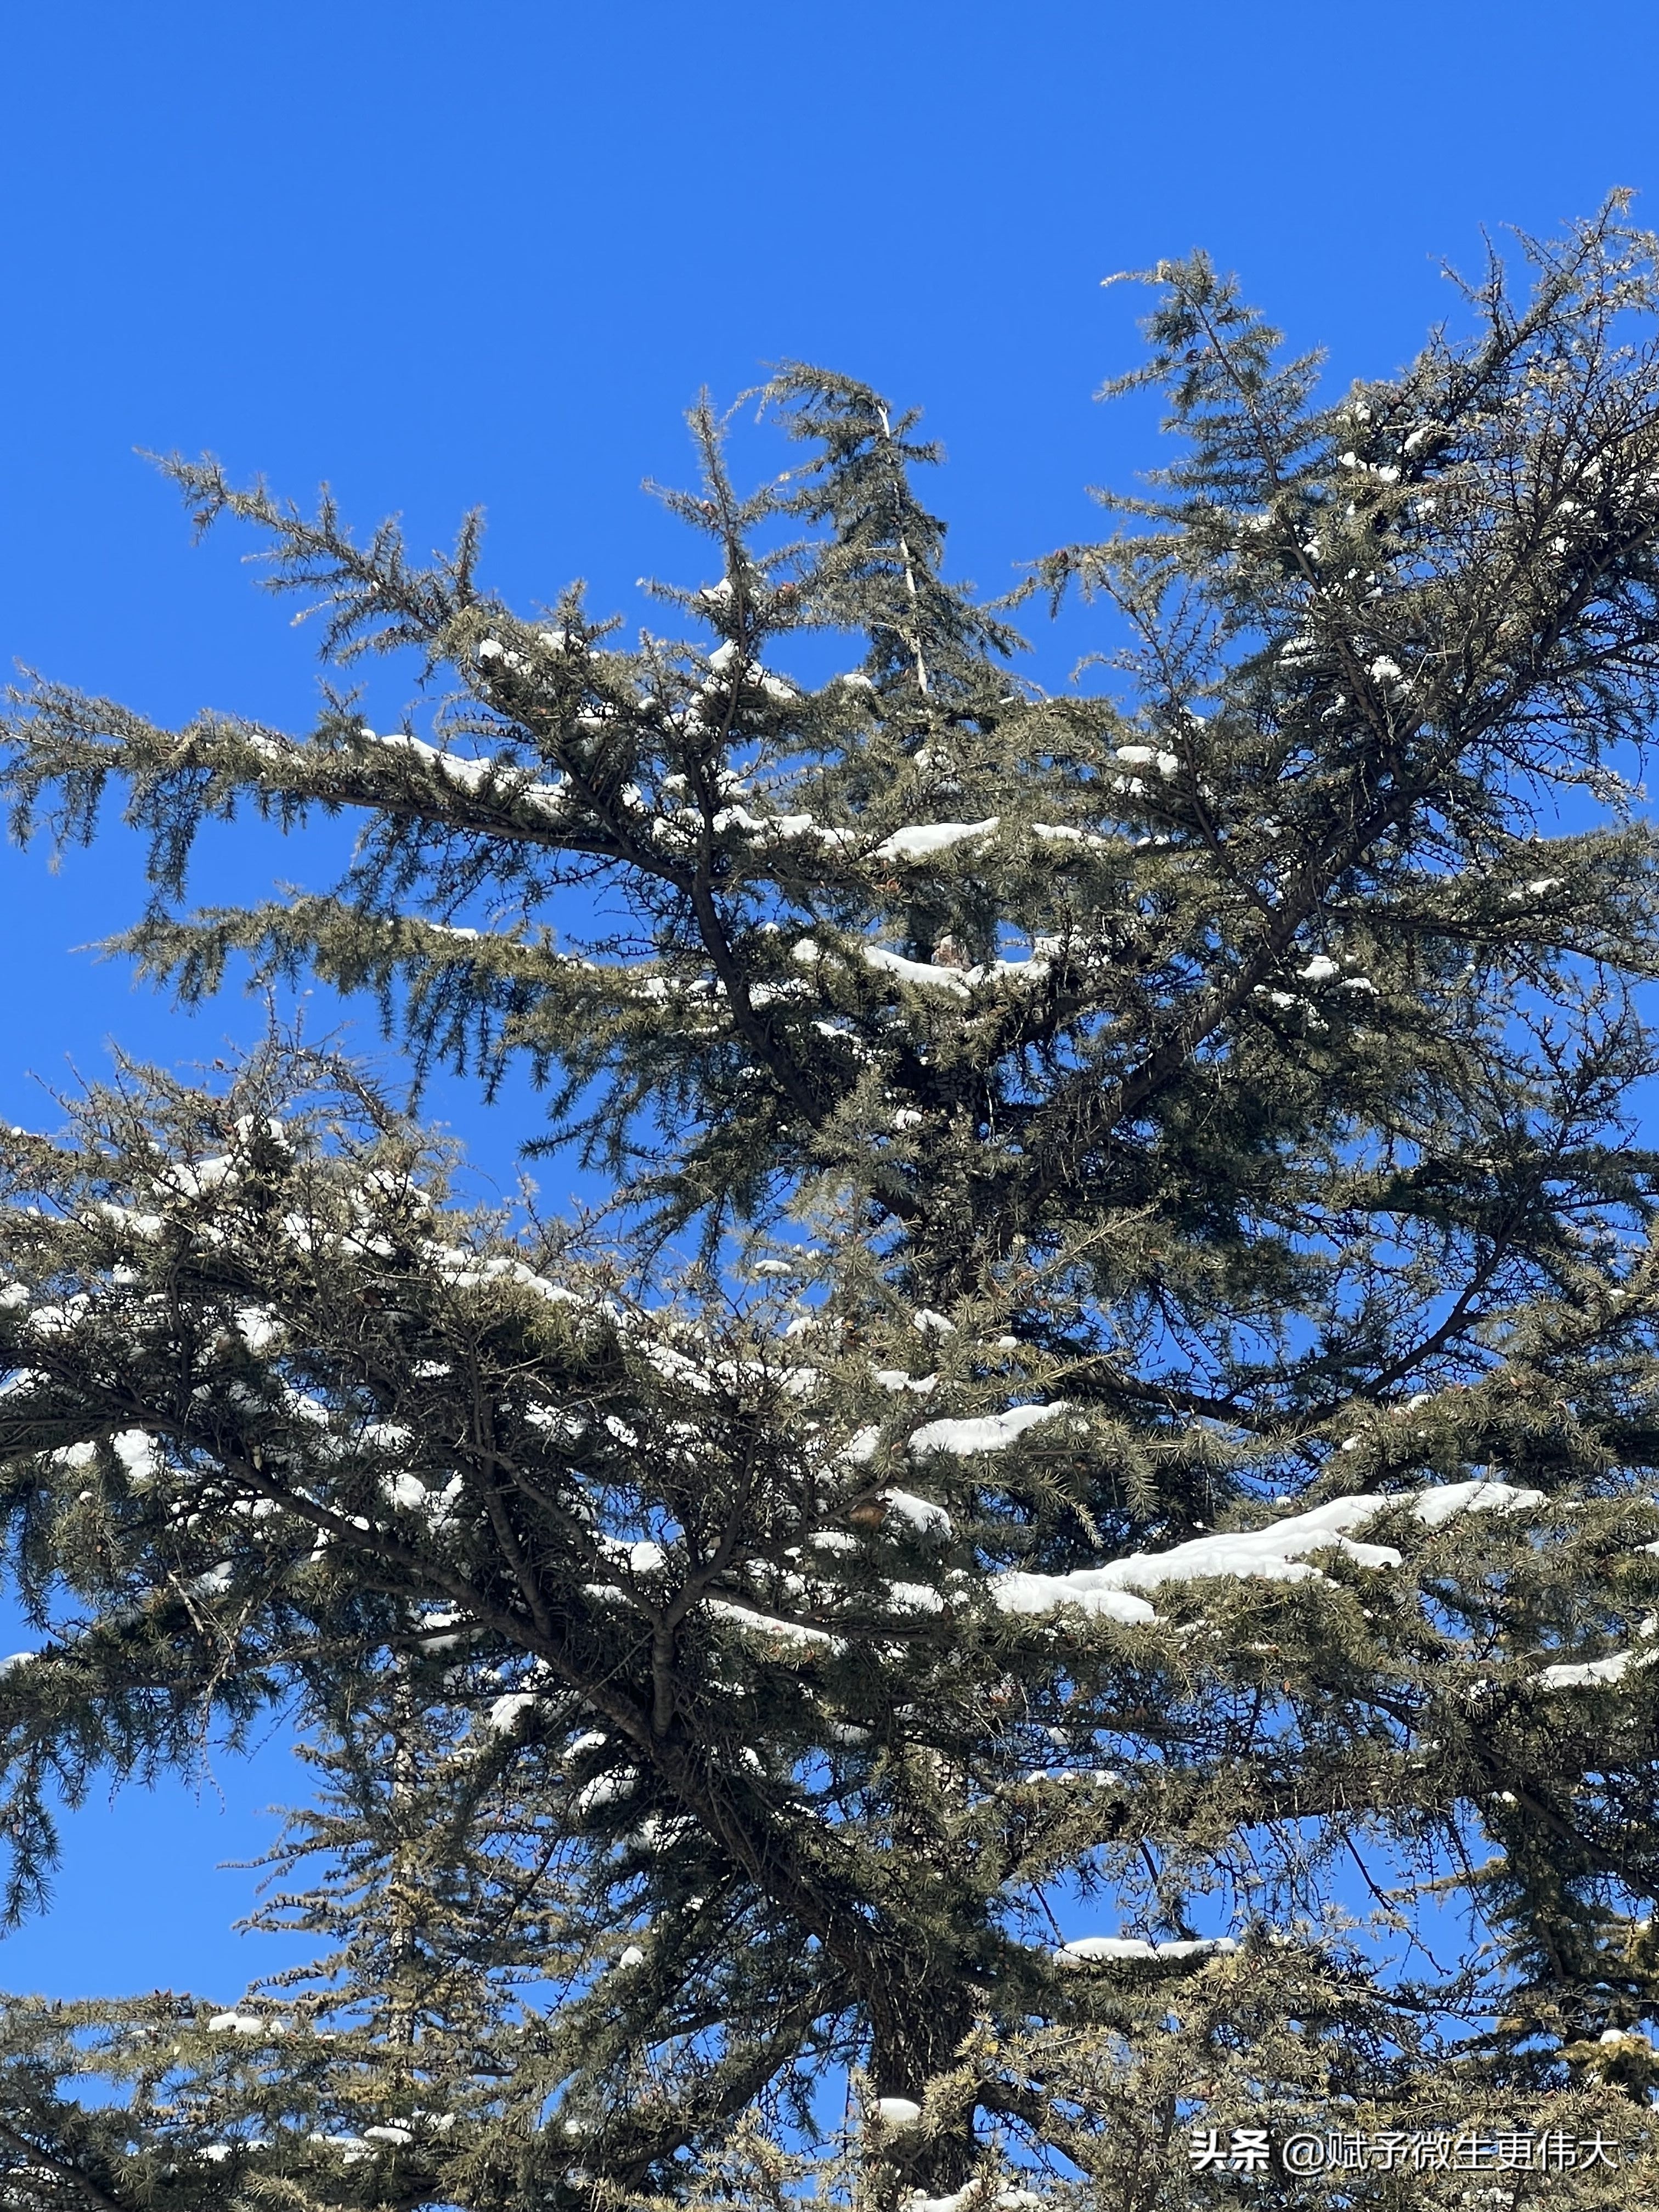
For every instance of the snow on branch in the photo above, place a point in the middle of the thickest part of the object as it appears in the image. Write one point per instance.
(1279, 1552)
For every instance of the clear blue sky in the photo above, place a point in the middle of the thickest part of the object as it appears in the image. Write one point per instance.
(443, 255)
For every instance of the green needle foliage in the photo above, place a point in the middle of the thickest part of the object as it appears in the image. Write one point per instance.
(1118, 1388)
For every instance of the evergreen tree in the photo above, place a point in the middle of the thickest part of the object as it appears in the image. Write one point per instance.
(1119, 1384)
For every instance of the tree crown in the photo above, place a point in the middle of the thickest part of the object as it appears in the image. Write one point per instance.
(1163, 1401)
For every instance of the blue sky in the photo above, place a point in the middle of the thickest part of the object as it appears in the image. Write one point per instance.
(449, 255)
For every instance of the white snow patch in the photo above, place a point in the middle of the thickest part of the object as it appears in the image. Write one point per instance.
(505, 1713)
(921, 1513)
(140, 1454)
(921, 974)
(604, 1789)
(1091, 1589)
(794, 1633)
(259, 1327)
(1434, 1508)
(1537, 889)
(928, 976)
(642, 1558)
(1613, 1668)
(922, 842)
(1275, 1553)
(986, 1432)
(195, 1182)
(1148, 756)
(897, 2111)
(914, 1597)
(1097, 1950)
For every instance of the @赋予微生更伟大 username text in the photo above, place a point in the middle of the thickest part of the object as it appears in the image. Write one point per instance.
(1427, 2150)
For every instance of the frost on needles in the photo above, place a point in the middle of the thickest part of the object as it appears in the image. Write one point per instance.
(1075, 1554)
